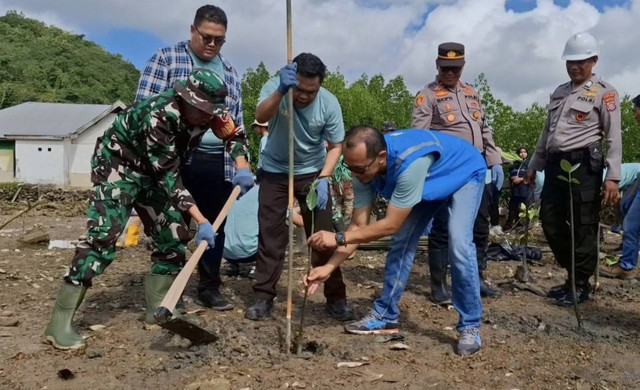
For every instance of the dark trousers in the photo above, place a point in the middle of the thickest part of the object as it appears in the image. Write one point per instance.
(204, 178)
(494, 206)
(439, 236)
(514, 208)
(273, 237)
(555, 211)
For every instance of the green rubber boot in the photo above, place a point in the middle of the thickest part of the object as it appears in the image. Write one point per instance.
(59, 331)
(155, 288)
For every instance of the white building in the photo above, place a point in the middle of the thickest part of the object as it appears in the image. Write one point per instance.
(52, 143)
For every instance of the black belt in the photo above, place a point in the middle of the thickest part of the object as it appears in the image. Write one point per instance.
(218, 157)
(573, 155)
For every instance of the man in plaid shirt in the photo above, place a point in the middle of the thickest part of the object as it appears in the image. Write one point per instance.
(216, 166)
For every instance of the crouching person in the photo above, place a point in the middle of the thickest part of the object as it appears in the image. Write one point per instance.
(136, 163)
(420, 172)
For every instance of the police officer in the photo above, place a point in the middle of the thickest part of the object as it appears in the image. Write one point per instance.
(453, 107)
(137, 163)
(582, 114)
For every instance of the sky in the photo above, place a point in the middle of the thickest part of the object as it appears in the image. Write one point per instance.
(517, 44)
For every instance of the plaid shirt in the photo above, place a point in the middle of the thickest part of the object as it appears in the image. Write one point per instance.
(171, 64)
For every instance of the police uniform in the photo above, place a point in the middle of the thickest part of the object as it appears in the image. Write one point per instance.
(579, 118)
(456, 111)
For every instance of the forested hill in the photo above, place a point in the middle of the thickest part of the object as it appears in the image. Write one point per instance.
(46, 64)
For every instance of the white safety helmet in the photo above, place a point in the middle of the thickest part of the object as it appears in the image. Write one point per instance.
(580, 47)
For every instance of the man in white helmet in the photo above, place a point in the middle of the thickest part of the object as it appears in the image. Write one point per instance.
(583, 114)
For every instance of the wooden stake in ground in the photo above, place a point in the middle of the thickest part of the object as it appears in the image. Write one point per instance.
(290, 263)
(19, 214)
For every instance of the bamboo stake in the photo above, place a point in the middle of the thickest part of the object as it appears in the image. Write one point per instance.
(19, 214)
(290, 262)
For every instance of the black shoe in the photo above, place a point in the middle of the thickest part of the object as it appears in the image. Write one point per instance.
(559, 291)
(339, 310)
(438, 260)
(488, 292)
(582, 295)
(213, 299)
(261, 309)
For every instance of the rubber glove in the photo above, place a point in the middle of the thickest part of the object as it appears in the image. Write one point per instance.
(322, 189)
(288, 77)
(244, 179)
(497, 176)
(206, 233)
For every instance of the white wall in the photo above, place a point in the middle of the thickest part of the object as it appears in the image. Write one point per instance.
(80, 152)
(41, 162)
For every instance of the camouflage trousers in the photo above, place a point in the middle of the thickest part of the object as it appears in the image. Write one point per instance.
(109, 209)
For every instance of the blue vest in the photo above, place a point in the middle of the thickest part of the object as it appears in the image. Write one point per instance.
(456, 162)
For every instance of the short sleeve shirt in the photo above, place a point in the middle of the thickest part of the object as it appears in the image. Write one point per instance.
(409, 186)
(319, 121)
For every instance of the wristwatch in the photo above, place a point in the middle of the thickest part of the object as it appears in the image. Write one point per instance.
(341, 239)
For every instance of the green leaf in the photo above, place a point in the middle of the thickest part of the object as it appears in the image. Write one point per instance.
(565, 165)
(511, 157)
(573, 168)
(312, 199)
(523, 207)
(563, 178)
(575, 181)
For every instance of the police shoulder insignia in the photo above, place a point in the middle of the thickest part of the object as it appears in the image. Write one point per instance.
(609, 100)
(419, 99)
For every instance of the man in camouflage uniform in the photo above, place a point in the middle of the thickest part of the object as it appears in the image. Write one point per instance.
(582, 114)
(454, 107)
(136, 163)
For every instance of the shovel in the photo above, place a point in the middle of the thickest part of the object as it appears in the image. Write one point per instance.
(164, 313)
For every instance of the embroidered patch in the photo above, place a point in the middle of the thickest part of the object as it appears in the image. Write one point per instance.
(448, 107)
(589, 94)
(474, 104)
(468, 91)
(580, 117)
(442, 93)
(609, 100)
(451, 117)
(476, 114)
(419, 100)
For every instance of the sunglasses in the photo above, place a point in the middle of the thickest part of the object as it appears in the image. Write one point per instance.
(359, 170)
(207, 39)
(453, 69)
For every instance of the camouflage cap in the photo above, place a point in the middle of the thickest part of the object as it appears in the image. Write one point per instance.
(204, 89)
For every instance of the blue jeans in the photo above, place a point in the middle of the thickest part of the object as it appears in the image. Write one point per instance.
(463, 207)
(631, 228)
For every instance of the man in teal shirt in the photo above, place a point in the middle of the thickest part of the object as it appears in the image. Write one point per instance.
(317, 118)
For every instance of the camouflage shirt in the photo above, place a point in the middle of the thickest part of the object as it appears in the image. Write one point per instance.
(150, 139)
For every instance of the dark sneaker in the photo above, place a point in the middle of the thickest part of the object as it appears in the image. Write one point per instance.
(582, 295)
(469, 342)
(232, 269)
(488, 292)
(339, 310)
(261, 309)
(559, 291)
(214, 300)
(371, 325)
(616, 272)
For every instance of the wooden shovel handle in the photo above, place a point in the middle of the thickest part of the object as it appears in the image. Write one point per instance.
(171, 299)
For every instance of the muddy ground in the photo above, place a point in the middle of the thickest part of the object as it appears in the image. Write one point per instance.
(528, 343)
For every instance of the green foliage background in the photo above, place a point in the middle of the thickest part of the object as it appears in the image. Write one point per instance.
(46, 64)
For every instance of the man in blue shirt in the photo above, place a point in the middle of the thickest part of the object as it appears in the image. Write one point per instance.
(420, 172)
(317, 118)
(217, 165)
(625, 268)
